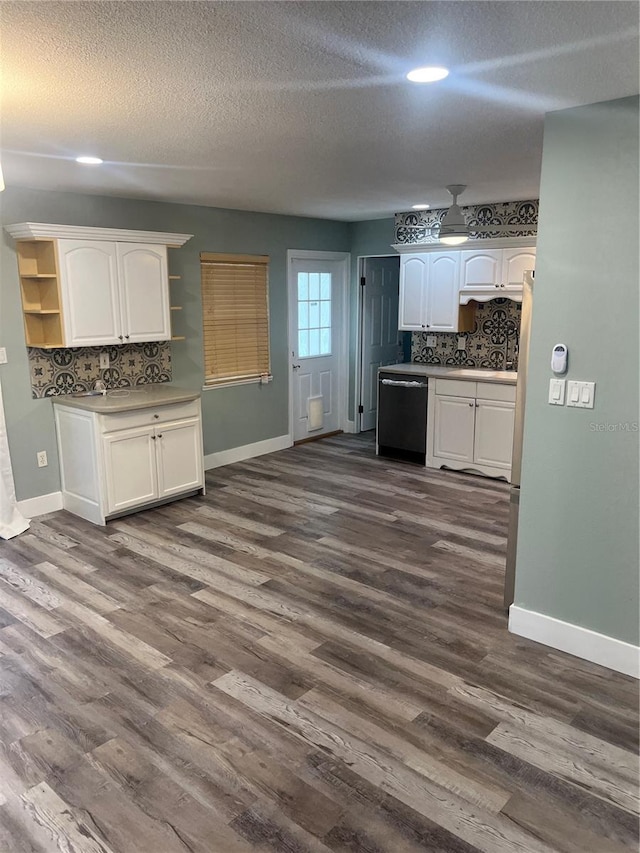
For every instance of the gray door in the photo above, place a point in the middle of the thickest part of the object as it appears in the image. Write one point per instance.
(380, 335)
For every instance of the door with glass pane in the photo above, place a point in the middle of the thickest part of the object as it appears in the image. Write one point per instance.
(316, 292)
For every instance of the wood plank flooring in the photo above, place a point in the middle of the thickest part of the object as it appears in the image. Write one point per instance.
(312, 657)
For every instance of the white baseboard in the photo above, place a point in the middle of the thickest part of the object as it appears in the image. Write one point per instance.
(40, 505)
(247, 451)
(581, 642)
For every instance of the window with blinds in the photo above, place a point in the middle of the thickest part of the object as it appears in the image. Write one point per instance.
(235, 311)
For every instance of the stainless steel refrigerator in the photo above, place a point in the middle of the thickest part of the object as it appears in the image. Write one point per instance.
(516, 463)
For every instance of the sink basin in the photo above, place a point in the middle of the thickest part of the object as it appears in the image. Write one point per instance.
(88, 394)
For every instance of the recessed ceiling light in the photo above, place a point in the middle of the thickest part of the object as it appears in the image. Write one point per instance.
(89, 161)
(420, 206)
(427, 74)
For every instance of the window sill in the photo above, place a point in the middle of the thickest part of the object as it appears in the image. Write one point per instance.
(255, 380)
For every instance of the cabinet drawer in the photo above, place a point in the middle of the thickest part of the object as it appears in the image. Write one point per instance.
(149, 417)
(495, 391)
(456, 387)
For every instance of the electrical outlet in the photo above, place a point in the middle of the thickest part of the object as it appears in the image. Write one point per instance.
(432, 341)
(3, 355)
(104, 360)
(41, 456)
(462, 343)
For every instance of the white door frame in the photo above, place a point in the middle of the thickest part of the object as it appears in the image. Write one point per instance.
(357, 419)
(343, 342)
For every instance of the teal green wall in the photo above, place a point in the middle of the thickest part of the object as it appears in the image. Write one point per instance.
(232, 416)
(578, 537)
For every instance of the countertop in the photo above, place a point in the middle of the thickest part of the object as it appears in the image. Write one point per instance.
(127, 399)
(473, 374)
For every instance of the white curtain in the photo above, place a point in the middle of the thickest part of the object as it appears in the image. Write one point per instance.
(12, 522)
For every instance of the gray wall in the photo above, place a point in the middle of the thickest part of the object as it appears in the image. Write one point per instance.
(232, 416)
(578, 542)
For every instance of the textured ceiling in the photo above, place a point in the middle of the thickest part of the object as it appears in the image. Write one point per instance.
(300, 107)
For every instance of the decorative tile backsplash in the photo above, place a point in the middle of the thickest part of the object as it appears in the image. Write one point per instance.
(65, 371)
(413, 227)
(492, 343)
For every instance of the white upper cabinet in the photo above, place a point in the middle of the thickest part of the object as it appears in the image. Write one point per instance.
(480, 269)
(514, 264)
(113, 293)
(495, 269)
(143, 276)
(90, 293)
(412, 314)
(442, 292)
(429, 293)
(86, 286)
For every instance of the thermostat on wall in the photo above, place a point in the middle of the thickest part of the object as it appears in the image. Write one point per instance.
(559, 358)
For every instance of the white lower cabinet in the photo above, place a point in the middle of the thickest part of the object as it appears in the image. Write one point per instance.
(453, 428)
(111, 464)
(493, 438)
(470, 426)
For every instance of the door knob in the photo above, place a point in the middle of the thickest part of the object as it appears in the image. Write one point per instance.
(296, 366)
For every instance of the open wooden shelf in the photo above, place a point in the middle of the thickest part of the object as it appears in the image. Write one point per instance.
(40, 292)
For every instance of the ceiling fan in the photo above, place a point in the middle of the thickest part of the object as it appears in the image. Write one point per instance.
(453, 230)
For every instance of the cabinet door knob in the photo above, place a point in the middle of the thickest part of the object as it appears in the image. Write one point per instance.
(153, 438)
(120, 337)
(472, 404)
(477, 404)
(127, 337)
(160, 436)
(156, 416)
(502, 285)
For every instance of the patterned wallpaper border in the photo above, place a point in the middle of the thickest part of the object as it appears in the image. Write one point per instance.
(66, 371)
(412, 227)
(491, 344)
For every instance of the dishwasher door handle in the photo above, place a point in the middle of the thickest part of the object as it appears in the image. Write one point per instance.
(401, 383)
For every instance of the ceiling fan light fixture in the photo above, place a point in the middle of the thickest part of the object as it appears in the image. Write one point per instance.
(428, 74)
(453, 239)
(453, 228)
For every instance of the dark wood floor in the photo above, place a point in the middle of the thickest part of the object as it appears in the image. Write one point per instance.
(313, 657)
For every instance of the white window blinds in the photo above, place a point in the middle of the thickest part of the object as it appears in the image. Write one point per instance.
(235, 316)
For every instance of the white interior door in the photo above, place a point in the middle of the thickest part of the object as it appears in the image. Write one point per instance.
(316, 334)
(380, 335)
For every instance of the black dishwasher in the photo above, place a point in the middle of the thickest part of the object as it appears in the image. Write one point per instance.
(402, 416)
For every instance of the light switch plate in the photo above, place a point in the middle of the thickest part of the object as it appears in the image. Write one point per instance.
(462, 343)
(580, 395)
(104, 360)
(556, 391)
(432, 341)
(3, 355)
